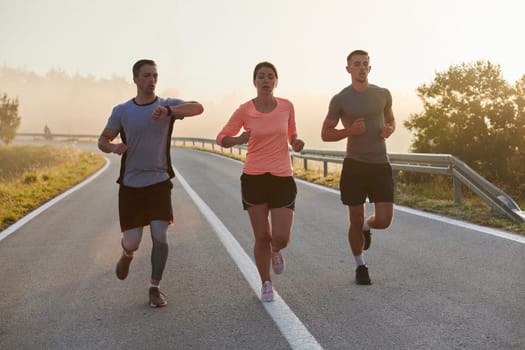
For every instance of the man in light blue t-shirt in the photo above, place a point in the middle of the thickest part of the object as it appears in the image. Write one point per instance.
(145, 124)
(365, 110)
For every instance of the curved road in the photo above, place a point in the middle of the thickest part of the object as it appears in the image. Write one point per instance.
(437, 284)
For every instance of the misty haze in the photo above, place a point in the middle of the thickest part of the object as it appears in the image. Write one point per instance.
(82, 104)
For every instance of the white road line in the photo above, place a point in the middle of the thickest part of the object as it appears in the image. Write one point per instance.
(482, 229)
(52, 202)
(467, 225)
(487, 230)
(291, 327)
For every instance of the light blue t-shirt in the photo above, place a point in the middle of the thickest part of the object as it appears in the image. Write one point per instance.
(147, 160)
(371, 104)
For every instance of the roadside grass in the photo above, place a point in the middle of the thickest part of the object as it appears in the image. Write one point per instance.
(430, 193)
(31, 175)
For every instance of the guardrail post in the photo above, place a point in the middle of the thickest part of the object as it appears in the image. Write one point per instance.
(394, 180)
(325, 168)
(457, 190)
(305, 164)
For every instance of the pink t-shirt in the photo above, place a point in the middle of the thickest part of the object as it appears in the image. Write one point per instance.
(269, 137)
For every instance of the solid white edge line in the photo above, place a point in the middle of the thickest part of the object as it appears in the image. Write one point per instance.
(487, 230)
(291, 327)
(436, 217)
(51, 202)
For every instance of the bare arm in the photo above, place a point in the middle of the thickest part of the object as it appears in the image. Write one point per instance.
(390, 125)
(105, 145)
(230, 141)
(330, 133)
(186, 109)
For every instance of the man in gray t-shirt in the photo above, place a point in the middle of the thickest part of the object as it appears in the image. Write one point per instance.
(145, 124)
(365, 111)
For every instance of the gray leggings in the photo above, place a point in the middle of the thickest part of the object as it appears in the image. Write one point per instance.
(159, 252)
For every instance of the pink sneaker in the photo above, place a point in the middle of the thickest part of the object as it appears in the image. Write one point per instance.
(277, 262)
(267, 291)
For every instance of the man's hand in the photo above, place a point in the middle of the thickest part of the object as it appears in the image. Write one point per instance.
(387, 131)
(358, 127)
(159, 113)
(120, 148)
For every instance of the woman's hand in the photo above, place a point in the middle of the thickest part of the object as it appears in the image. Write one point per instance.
(243, 138)
(297, 145)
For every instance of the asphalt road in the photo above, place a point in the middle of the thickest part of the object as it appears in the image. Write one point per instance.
(437, 284)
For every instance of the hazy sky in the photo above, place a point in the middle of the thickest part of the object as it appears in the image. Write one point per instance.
(206, 49)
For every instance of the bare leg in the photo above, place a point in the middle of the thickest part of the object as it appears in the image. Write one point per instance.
(131, 240)
(261, 230)
(356, 215)
(382, 217)
(282, 220)
(130, 243)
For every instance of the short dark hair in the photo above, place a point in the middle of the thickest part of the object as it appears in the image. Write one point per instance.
(140, 63)
(355, 53)
(267, 65)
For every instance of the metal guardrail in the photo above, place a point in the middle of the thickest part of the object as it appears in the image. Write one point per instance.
(441, 164)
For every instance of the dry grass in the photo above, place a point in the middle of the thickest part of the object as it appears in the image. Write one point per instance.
(31, 175)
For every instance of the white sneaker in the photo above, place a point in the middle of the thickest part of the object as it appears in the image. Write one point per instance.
(277, 262)
(267, 292)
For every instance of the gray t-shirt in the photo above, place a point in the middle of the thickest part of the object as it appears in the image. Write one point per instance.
(371, 104)
(147, 160)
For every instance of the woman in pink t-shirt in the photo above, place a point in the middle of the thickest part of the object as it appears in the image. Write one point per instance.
(267, 182)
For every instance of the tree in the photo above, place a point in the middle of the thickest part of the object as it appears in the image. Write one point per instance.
(517, 161)
(9, 119)
(470, 111)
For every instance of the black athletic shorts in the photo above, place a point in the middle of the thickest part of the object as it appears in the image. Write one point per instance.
(360, 180)
(139, 206)
(276, 191)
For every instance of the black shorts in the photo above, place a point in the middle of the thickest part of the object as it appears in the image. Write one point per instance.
(139, 206)
(360, 180)
(276, 191)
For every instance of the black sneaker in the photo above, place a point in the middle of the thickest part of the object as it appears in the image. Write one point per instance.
(368, 239)
(361, 275)
(157, 298)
